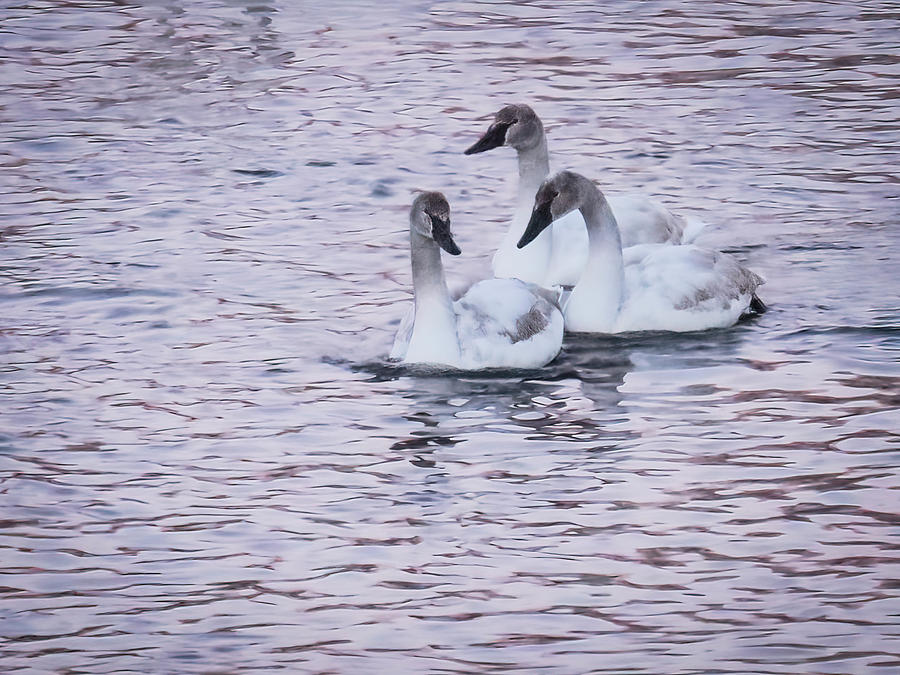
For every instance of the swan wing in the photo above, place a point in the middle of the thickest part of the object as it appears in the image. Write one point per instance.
(504, 323)
(683, 288)
(404, 334)
(643, 220)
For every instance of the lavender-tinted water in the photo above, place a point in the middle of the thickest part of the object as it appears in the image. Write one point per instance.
(209, 467)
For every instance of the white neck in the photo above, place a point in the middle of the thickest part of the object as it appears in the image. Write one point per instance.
(434, 338)
(529, 263)
(597, 297)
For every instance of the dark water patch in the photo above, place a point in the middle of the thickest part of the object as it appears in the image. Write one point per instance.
(823, 246)
(259, 173)
(389, 370)
(873, 331)
(85, 292)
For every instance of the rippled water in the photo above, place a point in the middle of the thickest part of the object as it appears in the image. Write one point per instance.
(207, 465)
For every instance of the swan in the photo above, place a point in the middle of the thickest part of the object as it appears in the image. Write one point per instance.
(497, 323)
(557, 257)
(646, 287)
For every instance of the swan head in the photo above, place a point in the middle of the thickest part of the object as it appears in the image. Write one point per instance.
(557, 196)
(517, 126)
(430, 217)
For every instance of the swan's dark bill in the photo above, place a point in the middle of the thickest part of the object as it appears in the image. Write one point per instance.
(494, 137)
(540, 219)
(440, 231)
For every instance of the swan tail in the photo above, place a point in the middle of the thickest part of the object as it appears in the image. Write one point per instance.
(757, 306)
(692, 228)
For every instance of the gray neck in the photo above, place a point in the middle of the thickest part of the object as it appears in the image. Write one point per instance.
(427, 269)
(530, 263)
(598, 296)
(434, 338)
(534, 167)
(603, 230)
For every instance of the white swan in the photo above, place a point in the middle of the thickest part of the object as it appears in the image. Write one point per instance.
(498, 323)
(557, 257)
(651, 287)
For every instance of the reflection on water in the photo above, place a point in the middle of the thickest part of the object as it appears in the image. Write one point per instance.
(207, 464)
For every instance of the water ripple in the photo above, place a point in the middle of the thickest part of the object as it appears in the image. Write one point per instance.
(207, 463)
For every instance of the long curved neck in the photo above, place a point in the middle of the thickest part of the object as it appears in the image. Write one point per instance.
(599, 292)
(534, 167)
(434, 338)
(531, 262)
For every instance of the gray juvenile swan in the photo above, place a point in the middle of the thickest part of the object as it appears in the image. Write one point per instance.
(558, 257)
(652, 286)
(498, 323)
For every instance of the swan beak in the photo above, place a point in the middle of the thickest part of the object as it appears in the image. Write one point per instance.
(494, 137)
(540, 219)
(440, 232)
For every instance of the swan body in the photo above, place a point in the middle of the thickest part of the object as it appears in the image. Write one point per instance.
(644, 287)
(558, 256)
(497, 323)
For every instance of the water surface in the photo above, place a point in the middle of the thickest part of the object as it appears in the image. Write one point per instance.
(207, 464)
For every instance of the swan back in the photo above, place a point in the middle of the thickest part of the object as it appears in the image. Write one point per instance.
(684, 288)
(643, 220)
(508, 323)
